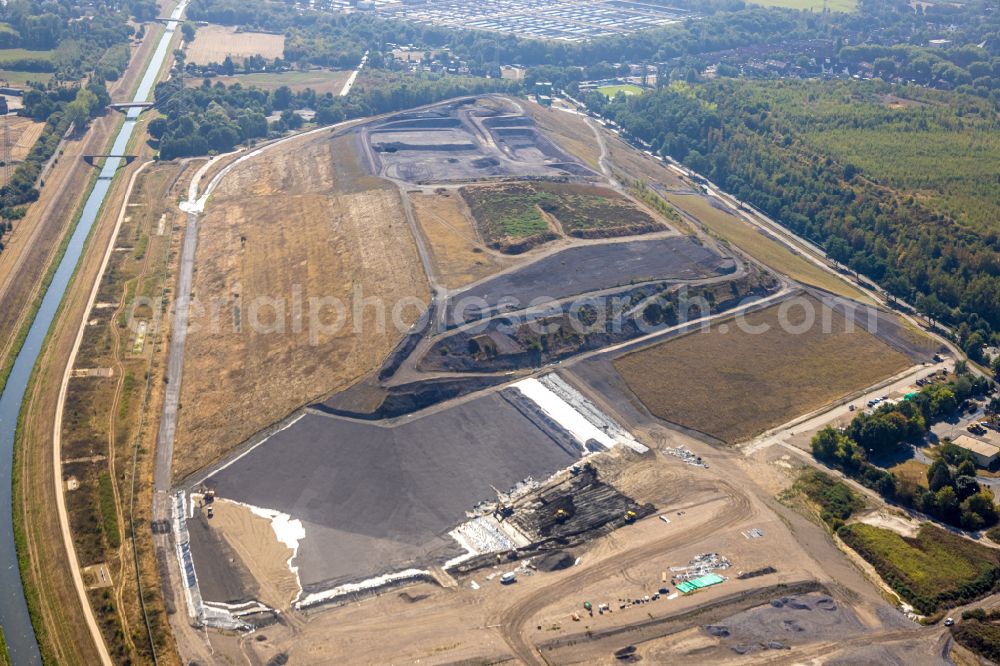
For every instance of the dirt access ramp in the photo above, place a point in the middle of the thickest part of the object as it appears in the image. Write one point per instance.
(302, 221)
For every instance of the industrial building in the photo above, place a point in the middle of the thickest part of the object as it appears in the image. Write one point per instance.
(985, 454)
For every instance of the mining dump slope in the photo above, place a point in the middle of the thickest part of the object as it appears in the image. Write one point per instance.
(376, 499)
(579, 270)
(13, 610)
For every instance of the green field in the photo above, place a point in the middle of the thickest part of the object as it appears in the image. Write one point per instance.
(15, 78)
(7, 55)
(4, 657)
(941, 148)
(320, 80)
(586, 211)
(811, 5)
(109, 514)
(628, 89)
(508, 216)
(954, 171)
(936, 569)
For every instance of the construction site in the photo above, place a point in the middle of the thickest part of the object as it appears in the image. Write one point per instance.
(525, 470)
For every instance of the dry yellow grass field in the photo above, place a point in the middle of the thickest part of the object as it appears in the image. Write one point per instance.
(913, 471)
(320, 80)
(571, 132)
(761, 247)
(741, 234)
(732, 384)
(24, 132)
(214, 42)
(459, 255)
(281, 230)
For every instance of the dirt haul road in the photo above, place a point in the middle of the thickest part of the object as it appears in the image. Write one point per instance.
(513, 621)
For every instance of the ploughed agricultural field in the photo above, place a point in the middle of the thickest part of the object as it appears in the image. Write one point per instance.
(375, 498)
(23, 132)
(213, 43)
(732, 382)
(300, 224)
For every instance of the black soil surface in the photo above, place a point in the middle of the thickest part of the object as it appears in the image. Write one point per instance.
(376, 499)
(784, 623)
(222, 575)
(588, 268)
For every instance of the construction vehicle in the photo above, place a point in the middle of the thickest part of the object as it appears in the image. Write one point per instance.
(561, 515)
(630, 516)
(503, 509)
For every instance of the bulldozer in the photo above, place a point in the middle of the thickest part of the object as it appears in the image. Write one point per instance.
(561, 515)
(630, 516)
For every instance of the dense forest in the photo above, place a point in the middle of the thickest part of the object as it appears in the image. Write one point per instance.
(72, 41)
(919, 221)
(69, 39)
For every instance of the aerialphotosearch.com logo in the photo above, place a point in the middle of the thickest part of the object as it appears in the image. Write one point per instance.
(318, 319)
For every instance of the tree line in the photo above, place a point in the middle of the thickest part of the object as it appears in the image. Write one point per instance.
(60, 109)
(751, 140)
(214, 118)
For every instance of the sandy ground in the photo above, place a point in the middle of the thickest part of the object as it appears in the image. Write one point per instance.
(891, 521)
(213, 43)
(263, 555)
(458, 253)
(478, 620)
(277, 233)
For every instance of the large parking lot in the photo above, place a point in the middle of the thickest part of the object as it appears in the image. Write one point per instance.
(547, 19)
